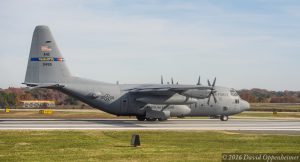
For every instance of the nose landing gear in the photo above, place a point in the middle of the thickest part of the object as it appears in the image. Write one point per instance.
(224, 118)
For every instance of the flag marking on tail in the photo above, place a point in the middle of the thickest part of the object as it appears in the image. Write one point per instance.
(46, 49)
(59, 59)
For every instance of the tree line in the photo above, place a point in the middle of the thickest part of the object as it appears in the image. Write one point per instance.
(13, 96)
(265, 96)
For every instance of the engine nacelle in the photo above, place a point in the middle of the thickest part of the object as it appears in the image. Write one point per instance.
(196, 93)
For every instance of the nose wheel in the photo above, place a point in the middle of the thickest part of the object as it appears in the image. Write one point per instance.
(224, 118)
(151, 119)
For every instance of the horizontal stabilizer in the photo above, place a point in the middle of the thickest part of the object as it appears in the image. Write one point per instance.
(43, 85)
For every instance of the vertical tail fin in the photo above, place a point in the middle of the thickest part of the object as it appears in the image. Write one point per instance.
(45, 62)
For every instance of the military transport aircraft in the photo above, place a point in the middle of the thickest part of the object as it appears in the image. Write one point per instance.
(47, 69)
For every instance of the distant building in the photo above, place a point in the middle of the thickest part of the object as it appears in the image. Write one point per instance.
(37, 103)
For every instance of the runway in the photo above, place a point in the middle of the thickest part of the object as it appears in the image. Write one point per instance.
(172, 124)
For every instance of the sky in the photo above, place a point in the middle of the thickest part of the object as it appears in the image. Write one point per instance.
(245, 44)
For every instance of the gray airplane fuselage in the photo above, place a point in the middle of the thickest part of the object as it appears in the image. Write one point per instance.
(115, 99)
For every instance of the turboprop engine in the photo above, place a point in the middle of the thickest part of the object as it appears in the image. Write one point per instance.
(195, 93)
(202, 94)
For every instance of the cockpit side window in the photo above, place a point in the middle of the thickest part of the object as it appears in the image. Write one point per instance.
(233, 92)
(237, 101)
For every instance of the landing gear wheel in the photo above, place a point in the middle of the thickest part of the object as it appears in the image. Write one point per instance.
(162, 119)
(223, 118)
(150, 119)
(140, 118)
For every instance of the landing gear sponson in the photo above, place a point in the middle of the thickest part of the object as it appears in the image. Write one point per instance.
(143, 118)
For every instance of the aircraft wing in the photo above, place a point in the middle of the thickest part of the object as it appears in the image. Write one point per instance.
(173, 88)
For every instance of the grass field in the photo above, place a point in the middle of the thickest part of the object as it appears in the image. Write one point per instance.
(155, 145)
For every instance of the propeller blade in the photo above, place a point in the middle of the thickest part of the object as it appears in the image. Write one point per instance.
(214, 82)
(198, 83)
(215, 99)
(208, 82)
(161, 80)
(208, 99)
(172, 80)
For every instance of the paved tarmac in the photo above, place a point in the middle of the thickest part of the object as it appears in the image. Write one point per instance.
(248, 125)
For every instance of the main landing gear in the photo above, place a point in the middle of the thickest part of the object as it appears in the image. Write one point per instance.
(223, 118)
(143, 118)
(140, 118)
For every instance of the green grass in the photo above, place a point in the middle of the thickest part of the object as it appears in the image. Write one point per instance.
(156, 145)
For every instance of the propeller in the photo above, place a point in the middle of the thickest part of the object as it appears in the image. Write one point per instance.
(208, 82)
(161, 80)
(172, 80)
(212, 91)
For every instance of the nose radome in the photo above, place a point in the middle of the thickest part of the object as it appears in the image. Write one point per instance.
(245, 105)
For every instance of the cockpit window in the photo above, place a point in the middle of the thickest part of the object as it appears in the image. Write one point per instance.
(233, 92)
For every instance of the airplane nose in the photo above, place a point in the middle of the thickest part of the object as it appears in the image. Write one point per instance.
(245, 105)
